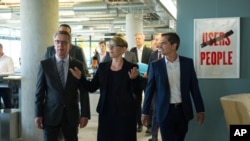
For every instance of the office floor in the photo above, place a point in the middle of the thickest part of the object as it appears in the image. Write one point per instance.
(89, 133)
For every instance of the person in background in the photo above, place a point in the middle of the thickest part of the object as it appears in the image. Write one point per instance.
(152, 127)
(102, 54)
(153, 47)
(117, 105)
(130, 56)
(6, 68)
(56, 101)
(142, 56)
(174, 80)
(75, 51)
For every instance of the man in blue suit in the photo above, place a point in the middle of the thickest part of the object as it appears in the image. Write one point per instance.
(174, 80)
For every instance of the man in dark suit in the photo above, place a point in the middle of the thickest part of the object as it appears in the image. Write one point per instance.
(102, 55)
(75, 51)
(152, 127)
(56, 103)
(142, 54)
(174, 80)
(130, 56)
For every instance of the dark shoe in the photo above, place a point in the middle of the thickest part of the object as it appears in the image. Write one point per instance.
(139, 128)
(148, 134)
(152, 139)
(148, 131)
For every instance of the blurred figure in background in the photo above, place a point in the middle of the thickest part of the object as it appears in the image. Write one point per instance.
(6, 68)
(142, 56)
(102, 55)
(152, 127)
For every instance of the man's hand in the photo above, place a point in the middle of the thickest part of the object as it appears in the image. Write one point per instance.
(144, 120)
(39, 122)
(76, 72)
(83, 122)
(200, 117)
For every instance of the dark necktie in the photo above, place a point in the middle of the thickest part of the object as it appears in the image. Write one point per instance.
(61, 71)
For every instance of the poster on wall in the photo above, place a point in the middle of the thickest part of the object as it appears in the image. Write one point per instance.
(217, 47)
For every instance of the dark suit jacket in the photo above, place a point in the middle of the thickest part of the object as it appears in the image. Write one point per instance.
(158, 82)
(145, 54)
(52, 99)
(130, 56)
(126, 87)
(107, 57)
(75, 52)
(153, 56)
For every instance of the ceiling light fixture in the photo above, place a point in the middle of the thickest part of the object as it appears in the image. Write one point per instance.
(169, 5)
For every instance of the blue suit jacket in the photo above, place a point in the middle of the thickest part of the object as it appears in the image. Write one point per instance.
(158, 82)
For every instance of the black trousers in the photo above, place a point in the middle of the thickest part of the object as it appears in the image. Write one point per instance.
(6, 96)
(138, 107)
(175, 126)
(54, 133)
(154, 124)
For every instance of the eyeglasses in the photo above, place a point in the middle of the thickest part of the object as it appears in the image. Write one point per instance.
(61, 42)
(114, 46)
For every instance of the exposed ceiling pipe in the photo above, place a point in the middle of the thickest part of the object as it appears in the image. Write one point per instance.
(90, 23)
(104, 9)
(90, 6)
(10, 10)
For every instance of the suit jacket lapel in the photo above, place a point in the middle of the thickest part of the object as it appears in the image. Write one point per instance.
(136, 54)
(69, 75)
(106, 69)
(164, 71)
(182, 72)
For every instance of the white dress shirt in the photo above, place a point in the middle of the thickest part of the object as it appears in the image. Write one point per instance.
(6, 65)
(139, 53)
(173, 69)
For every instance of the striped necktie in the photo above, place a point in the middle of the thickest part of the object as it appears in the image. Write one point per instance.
(61, 72)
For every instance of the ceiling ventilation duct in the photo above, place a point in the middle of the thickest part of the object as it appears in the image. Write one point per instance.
(90, 6)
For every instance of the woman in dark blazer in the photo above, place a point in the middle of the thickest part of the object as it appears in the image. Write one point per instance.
(117, 80)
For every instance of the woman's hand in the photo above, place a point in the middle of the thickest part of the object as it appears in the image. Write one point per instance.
(76, 72)
(133, 73)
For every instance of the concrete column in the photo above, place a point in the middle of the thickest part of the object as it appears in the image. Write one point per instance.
(39, 21)
(134, 24)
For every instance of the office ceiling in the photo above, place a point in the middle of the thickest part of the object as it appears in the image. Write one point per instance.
(89, 17)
